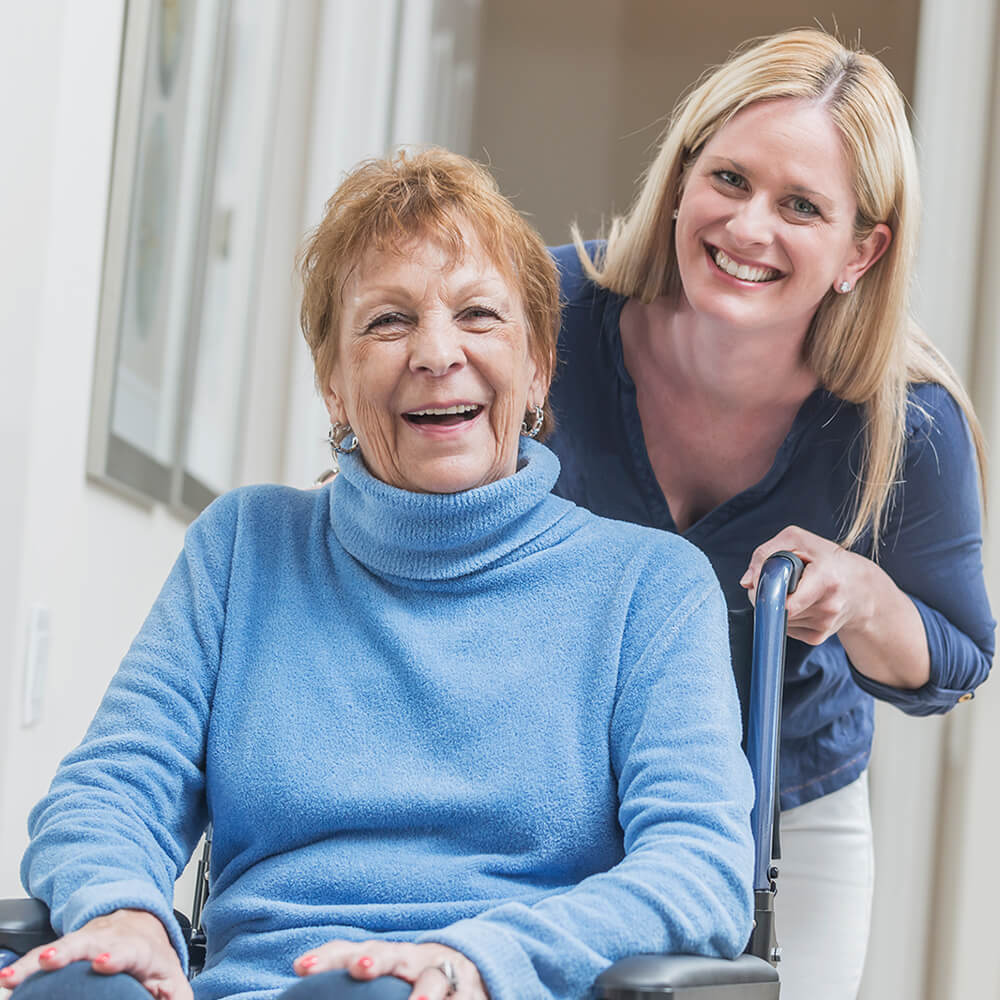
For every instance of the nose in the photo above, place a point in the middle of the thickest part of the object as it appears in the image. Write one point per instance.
(752, 222)
(436, 347)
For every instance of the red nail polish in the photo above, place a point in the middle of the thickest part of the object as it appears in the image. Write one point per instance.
(48, 953)
(105, 957)
(308, 962)
(6, 972)
(365, 962)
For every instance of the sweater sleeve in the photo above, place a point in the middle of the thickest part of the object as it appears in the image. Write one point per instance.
(126, 807)
(685, 793)
(933, 552)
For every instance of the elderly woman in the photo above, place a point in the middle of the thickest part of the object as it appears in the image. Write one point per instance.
(456, 735)
(741, 368)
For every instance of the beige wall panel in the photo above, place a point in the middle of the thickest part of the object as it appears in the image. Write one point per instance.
(573, 93)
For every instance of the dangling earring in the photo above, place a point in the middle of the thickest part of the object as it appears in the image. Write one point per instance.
(844, 287)
(539, 415)
(336, 436)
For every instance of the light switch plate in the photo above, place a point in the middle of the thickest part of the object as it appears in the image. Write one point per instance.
(36, 662)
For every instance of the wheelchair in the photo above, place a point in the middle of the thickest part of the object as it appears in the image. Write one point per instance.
(24, 923)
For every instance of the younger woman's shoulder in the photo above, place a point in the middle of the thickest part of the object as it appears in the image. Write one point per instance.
(574, 285)
(939, 452)
(932, 412)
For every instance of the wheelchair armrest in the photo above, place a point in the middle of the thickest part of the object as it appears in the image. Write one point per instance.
(688, 977)
(24, 924)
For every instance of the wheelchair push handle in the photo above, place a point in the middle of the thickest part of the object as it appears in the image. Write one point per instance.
(779, 576)
(795, 572)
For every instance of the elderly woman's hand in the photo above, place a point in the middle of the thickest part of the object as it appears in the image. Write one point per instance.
(131, 941)
(424, 966)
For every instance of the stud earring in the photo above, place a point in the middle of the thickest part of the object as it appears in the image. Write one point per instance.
(844, 287)
(676, 213)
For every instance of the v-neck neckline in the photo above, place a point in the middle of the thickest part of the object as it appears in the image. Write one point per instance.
(653, 493)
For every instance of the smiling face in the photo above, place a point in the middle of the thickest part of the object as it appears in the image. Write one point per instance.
(765, 224)
(433, 370)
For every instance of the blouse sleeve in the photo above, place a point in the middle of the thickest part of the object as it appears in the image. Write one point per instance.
(933, 552)
(685, 793)
(125, 809)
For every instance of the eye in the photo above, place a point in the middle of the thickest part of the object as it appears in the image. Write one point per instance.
(730, 178)
(385, 321)
(804, 207)
(480, 316)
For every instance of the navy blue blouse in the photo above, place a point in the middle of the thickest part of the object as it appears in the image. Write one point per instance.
(931, 547)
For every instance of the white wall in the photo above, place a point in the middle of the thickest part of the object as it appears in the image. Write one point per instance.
(94, 560)
(961, 299)
(23, 202)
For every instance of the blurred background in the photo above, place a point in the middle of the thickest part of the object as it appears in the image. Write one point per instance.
(160, 161)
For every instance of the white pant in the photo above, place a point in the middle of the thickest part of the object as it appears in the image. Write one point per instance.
(824, 902)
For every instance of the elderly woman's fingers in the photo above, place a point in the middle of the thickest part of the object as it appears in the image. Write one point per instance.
(81, 945)
(451, 976)
(432, 969)
(14, 974)
(130, 941)
(335, 954)
(362, 959)
(383, 958)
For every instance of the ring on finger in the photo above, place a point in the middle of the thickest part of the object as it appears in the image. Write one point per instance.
(448, 971)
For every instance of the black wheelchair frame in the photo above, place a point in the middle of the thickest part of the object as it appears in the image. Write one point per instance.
(24, 923)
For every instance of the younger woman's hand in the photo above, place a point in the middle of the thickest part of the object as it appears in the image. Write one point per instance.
(417, 964)
(131, 941)
(834, 592)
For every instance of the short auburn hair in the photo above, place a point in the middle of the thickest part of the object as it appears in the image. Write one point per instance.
(383, 204)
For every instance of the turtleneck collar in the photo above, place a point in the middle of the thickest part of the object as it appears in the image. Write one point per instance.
(437, 536)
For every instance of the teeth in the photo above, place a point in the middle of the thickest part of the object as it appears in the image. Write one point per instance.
(743, 271)
(441, 411)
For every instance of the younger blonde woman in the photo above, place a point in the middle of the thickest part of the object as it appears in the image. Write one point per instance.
(739, 366)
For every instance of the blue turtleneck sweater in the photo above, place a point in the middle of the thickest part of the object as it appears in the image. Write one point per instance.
(488, 719)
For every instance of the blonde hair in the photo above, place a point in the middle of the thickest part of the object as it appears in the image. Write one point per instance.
(384, 203)
(863, 347)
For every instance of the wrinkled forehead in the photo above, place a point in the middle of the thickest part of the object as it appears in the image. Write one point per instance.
(457, 246)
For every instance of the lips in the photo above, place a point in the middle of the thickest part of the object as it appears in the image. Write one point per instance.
(450, 415)
(757, 274)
